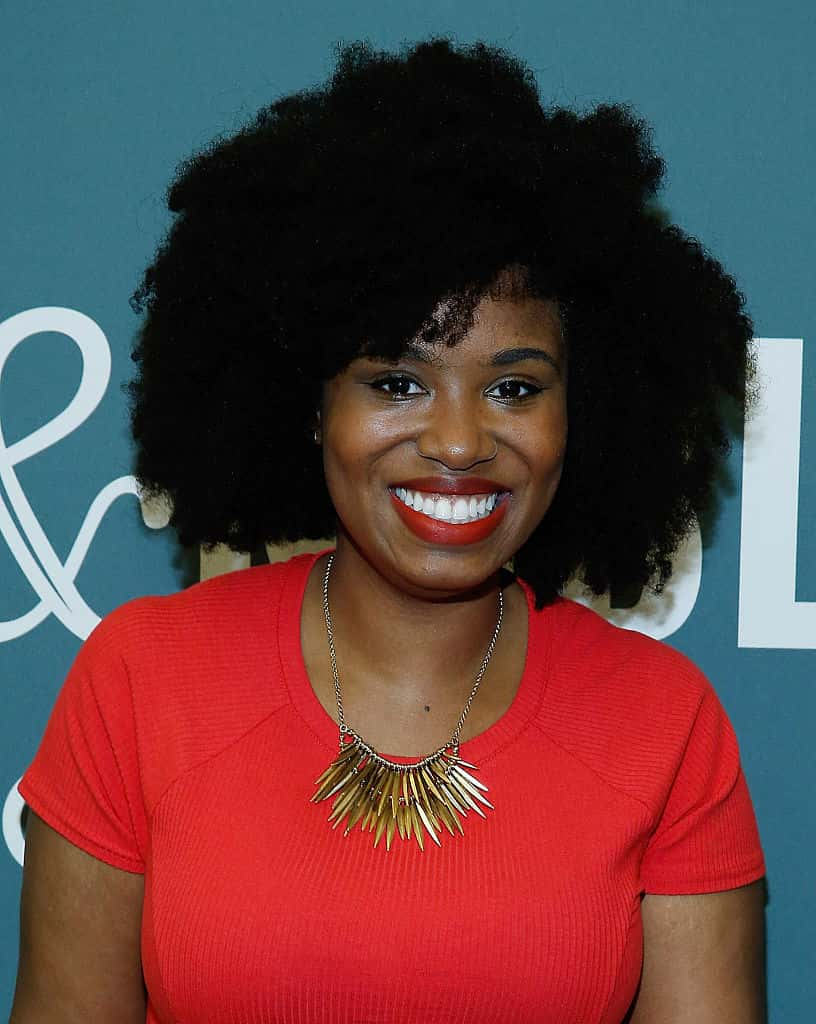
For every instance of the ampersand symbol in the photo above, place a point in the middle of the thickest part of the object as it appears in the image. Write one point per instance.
(51, 580)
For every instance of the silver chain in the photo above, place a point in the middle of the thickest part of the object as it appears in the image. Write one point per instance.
(344, 729)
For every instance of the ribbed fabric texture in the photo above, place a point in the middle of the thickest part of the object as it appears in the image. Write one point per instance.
(185, 744)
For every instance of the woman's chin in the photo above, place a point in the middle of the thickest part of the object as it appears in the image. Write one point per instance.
(442, 575)
(427, 568)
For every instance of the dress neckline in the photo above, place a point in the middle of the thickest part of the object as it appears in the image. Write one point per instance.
(479, 748)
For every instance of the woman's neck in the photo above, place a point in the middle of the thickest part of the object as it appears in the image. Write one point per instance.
(386, 631)
(406, 665)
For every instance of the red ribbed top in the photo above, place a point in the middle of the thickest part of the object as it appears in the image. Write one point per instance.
(185, 744)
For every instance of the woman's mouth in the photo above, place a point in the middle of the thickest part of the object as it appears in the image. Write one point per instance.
(449, 508)
(450, 518)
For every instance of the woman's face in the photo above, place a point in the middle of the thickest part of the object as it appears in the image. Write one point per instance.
(440, 466)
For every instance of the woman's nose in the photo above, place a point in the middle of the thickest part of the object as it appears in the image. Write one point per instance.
(456, 435)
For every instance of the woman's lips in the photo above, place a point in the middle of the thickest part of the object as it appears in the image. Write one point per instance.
(438, 531)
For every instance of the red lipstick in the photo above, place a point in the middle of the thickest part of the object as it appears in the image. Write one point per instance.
(437, 531)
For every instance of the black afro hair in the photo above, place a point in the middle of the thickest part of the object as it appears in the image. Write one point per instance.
(335, 222)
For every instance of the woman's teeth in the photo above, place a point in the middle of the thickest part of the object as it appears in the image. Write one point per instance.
(449, 508)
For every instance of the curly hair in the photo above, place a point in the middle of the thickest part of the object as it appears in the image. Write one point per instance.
(334, 222)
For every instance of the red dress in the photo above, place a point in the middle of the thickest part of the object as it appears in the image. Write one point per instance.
(186, 742)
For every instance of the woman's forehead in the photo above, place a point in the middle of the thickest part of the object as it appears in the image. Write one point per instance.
(499, 333)
(499, 323)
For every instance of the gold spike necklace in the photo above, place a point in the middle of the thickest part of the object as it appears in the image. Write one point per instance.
(386, 797)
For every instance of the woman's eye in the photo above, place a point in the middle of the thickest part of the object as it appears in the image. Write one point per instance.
(514, 390)
(396, 386)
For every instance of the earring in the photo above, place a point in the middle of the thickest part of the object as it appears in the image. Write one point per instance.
(316, 436)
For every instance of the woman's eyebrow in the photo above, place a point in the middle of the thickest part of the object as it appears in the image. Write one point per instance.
(412, 351)
(519, 355)
(504, 358)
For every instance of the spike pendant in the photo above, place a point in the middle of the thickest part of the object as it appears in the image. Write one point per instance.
(391, 799)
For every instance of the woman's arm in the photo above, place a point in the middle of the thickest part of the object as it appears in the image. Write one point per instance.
(80, 924)
(703, 958)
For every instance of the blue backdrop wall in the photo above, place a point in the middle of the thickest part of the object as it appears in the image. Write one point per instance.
(101, 101)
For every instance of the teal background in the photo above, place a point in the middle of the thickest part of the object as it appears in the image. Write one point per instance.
(100, 102)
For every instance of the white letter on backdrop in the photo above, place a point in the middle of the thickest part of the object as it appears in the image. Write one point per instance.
(12, 823)
(769, 614)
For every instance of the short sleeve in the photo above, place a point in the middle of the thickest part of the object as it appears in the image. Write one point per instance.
(707, 838)
(85, 781)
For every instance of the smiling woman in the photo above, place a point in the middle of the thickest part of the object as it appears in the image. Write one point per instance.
(419, 312)
(494, 405)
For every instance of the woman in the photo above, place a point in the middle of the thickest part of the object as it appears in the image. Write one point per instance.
(417, 311)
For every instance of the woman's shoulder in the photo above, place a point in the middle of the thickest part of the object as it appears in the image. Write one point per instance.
(186, 674)
(214, 611)
(178, 654)
(622, 702)
(593, 655)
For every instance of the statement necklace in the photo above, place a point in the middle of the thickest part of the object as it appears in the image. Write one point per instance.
(388, 798)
